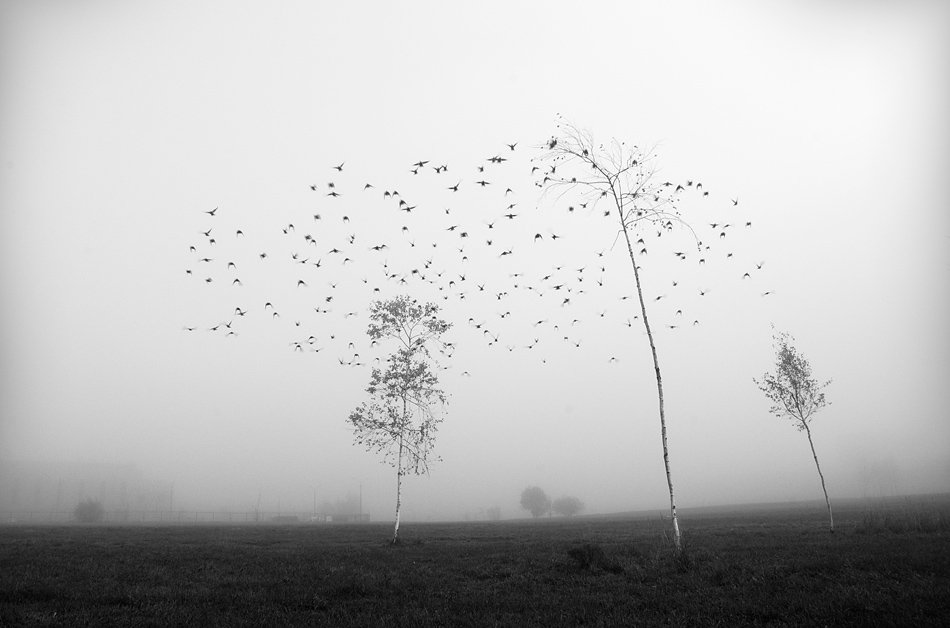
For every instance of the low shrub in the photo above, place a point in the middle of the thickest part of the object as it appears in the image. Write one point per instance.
(588, 557)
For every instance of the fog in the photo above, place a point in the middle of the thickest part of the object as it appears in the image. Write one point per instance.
(122, 124)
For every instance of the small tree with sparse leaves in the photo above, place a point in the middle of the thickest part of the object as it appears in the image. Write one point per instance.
(626, 178)
(796, 394)
(398, 421)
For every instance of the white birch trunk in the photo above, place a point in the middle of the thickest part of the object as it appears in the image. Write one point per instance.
(398, 494)
(399, 480)
(659, 380)
(831, 518)
(398, 505)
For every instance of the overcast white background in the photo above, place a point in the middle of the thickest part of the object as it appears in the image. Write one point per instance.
(122, 122)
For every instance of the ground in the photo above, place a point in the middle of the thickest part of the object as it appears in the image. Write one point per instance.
(887, 564)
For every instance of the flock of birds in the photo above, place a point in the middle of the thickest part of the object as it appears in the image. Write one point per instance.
(520, 275)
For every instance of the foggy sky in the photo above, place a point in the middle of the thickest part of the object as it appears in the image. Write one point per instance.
(121, 123)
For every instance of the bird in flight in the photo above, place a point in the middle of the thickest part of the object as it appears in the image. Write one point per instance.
(211, 213)
(340, 167)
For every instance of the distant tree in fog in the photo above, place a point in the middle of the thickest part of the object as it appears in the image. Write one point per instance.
(535, 500)
(795, 394)
(567, 506)
(398, 421)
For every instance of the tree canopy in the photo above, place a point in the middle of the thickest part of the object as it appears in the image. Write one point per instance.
(567, 506)
(794, 392)
(536, 501)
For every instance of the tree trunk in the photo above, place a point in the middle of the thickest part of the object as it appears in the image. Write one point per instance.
(831, 518)
(659, 379)
(399, 469)
(398, 492)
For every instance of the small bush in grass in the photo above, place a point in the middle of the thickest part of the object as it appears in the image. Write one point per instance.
(89, 511)
(588, 557)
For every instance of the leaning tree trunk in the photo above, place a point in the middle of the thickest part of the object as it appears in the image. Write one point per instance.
(659, 379)
(831, 518)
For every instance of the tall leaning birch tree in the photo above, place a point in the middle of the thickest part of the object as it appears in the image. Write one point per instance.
(644, 209)
(796, 394)
(399, 420)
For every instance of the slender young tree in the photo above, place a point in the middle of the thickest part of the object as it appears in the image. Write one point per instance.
(626, 178)
(398, 421)
(796, 394)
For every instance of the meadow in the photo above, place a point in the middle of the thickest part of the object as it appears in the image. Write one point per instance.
(887, 564)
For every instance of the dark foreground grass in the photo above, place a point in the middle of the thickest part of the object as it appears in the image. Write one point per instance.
(756, 567)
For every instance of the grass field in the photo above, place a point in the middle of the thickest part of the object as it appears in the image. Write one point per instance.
(887, 564)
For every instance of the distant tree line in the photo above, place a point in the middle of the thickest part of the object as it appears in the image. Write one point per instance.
(537, 502)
